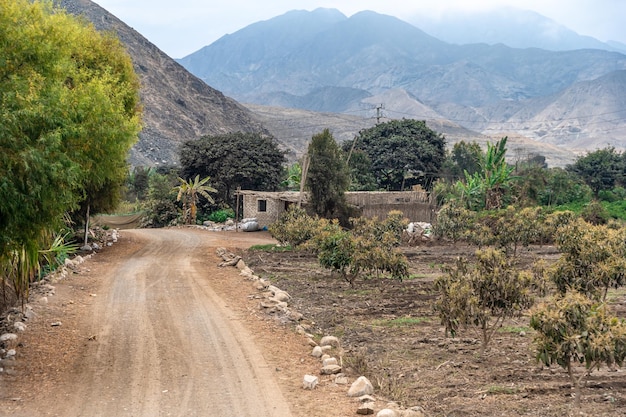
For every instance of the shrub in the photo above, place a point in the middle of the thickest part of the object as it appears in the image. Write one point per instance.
(483, 295)
(220, 216)
(595, 213)
(593, 259)
(572, 329)
(453, 222)
(295, 227)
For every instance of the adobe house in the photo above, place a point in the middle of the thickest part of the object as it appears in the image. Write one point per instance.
(267, 207)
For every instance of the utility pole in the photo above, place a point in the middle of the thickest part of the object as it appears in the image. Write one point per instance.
(305, 170)
(379, 112)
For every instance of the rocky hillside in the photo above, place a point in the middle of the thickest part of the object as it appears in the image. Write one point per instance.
(293, 128)
(177, 105)
(325, 61)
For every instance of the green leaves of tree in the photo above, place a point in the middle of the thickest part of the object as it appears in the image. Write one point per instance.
(402, 153)
(69, 105)
(247, 160)
(327, 178)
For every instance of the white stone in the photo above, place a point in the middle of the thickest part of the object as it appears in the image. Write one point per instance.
(281, 296)
(7, 337)
(367, 399)
(330, 369)
(416, 411)
(387, 412)
(273, 289)
(329, 341)
(330, 361)
(366, 409)
(362, 386)
(310, 382)
(341, 380)
(19, 326)
(317, 352)
(11, 352)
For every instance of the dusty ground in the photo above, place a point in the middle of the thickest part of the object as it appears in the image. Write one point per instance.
(391, 335)
(152, 327)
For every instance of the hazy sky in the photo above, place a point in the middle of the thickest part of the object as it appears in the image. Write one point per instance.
(181, 27)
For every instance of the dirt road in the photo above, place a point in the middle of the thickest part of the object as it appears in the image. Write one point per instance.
(144, 334)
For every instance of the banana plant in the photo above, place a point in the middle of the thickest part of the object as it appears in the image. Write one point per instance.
(189, 192)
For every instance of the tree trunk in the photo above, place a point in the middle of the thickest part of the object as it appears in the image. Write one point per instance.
(87, 226)
(576, 384)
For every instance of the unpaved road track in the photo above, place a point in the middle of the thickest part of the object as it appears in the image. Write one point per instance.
(155, 340)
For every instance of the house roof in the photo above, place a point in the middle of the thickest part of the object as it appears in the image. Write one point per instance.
(290, 196)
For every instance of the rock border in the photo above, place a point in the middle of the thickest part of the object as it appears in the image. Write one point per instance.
(15, 321)
(274, 301)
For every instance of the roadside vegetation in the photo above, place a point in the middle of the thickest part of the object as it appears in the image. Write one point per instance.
(71, 112)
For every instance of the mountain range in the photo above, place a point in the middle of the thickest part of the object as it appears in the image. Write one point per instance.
(509, 26)
(327, 62)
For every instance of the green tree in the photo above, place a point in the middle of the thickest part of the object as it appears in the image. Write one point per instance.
(248, 160)
(69, 105)
(189, 192)
(293, 175)
(573, 329)
(601, 169)
(464, 157)
(563, 187)
(361, 176)
(327, 178)
(402, 153)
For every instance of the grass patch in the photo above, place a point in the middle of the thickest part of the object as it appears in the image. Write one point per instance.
(514, 329)
(401, 321)
(416, 276)
(271, 247)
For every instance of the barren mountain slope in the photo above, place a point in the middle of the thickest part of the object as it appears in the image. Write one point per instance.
(177, 105)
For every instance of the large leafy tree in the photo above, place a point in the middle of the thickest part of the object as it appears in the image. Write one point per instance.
(402, 153)
(247, 160)
(601, 169)
(464, 157)
(69, 105)
(69, 109)
(327, 177)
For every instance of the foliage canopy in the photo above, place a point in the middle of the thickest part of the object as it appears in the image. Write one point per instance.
(69, 105)
(248, 160)
(402, 153)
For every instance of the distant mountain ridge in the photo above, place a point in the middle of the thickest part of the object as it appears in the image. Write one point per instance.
(510, 26)
(325, 61)
(177, 106)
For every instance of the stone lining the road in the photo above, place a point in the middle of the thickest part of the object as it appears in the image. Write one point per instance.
(274, 301)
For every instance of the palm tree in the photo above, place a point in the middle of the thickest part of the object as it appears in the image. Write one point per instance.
(189, 192)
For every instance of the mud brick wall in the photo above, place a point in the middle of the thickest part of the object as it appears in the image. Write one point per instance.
(413, 204)
(253, 205)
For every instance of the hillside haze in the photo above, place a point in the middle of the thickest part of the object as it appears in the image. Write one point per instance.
(177, 106)
(325, 61)
(510, 26)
